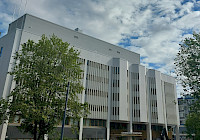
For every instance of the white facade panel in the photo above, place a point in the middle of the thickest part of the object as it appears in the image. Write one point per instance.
(143, 95)
(171, 100)
(159, 94)
(123, 104)
(6, 43)
(38, 26)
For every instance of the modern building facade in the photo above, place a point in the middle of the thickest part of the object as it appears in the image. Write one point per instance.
(126, 100)
(184, 104)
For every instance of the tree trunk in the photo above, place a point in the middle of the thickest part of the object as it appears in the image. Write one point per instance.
(40, 136)
(35, 130)
(41, 133)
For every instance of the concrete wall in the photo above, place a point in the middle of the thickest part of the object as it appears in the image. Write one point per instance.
(159, 97)
(10, 44)
(7, 45)
(123, 94)
(143, 94)
(38, 26)
(171, 102)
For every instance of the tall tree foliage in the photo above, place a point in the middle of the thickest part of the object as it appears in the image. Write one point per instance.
(188, 71)
(192, 125)
(42, 72)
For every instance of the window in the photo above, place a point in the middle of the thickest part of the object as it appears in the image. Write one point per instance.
(1, 51)
(92, 123)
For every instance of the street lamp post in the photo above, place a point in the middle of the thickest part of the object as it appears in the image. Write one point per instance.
(64, 116)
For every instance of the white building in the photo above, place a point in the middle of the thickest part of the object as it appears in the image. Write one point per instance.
(124, 97)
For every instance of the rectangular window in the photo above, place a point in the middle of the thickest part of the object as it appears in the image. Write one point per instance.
(96, 122)
(100, 122)
(1, 51)
(104, 123)
(92, 122)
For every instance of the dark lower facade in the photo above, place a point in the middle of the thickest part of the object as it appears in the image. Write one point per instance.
(13, 133)
(118, 131)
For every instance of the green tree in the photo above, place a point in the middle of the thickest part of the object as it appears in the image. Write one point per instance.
(192, 124)
(188, 72)
(42, 72)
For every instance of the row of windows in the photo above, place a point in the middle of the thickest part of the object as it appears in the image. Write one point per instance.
(68, 121)
(94, 122)
(115, 110)
(136, 100)
(115, 83)
(186, 101)
(115, 70)
(116, 126)
(95, 92)
(136, 87)
(139, 127)
(154, 110)
(98, 65)
(135, 75)
(183, 108)
(97, 78)
(154, 103)
(87, 122)
(115, 97)
(136, 113)
(154, 115)
(98, 108)
(182, 122)
(81, 60)
(152, 91)
(75, 74)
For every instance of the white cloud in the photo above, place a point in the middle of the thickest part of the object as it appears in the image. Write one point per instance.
(159, 25)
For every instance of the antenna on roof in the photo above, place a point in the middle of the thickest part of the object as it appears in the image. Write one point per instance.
(14, 13)
(25, 7)
(24, 12)
(20, 8)
(19, 12)
(78, 30)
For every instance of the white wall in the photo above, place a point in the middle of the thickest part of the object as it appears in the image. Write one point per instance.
(7, 43)
(159, 97)
(38, 26)
(143, 94)
(171, 102)
(123, 104)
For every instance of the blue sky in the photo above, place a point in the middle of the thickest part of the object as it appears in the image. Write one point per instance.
(152, 28)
